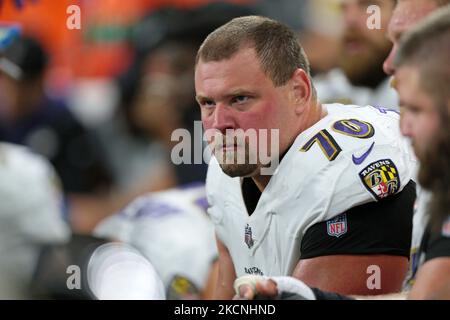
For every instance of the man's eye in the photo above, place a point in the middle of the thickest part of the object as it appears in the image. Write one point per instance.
(207, 103)
(410, 109)
(239, 99)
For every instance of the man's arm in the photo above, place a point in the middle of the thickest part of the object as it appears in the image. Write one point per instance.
(363, 251)
(210, 286)
(433, 280)
(288, 288)
(352, 274)
(224, 288)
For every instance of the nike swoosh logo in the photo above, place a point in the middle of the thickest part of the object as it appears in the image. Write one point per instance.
(359, 160)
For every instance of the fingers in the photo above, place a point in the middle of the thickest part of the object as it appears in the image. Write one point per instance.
(246, 292)
(267, 288)
(264, 289)
(245, 286)
(255, 287)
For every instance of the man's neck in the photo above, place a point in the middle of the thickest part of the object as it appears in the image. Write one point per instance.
(317, 113)
(261, 181)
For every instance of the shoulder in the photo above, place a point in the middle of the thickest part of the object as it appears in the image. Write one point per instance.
(25, 173)
(355, 143)
(153, 210)
(31, 192)
(346, 160)
(172, 202)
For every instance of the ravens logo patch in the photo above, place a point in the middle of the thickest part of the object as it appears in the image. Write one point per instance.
(181, 288)
(381, 178)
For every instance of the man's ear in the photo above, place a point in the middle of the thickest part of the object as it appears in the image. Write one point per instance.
(302, 90)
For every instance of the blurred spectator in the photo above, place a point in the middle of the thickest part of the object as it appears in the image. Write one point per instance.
(320, 33)
(30, 216)
(360, 78)
(164, 102)
(158, 97)
(29, 116)
(138, 161)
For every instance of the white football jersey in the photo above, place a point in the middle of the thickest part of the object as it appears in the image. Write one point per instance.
(30, 215)
(335, 87)
(353, 156)
(171, 229)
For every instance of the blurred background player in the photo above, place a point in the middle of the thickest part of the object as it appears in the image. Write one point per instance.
(359, 78)
(31, 215)
(172, 230)
(406, 15)
(422, 78)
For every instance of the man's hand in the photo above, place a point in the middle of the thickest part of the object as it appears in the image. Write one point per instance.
(259, 287)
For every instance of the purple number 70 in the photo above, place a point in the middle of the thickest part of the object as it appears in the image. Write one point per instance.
(349, 127)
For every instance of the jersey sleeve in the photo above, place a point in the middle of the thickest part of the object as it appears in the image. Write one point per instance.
(371, 162)
(382, 227)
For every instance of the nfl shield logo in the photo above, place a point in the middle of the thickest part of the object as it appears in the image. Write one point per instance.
(336, 227)
(248, 236)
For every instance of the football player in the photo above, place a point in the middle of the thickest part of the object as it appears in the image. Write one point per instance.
(340, 199)
(422, 76)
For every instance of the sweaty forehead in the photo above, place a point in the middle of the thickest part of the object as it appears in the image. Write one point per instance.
(242, 68)
(244, 58)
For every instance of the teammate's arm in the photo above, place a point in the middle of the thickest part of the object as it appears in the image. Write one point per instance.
(433, 280)
(210, 286)
(224, 287)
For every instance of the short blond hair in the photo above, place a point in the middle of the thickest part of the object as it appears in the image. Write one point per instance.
(277, 47)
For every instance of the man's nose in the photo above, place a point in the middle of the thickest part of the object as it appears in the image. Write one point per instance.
(405, 124)
(223, 118)
(352, 16)
(388, 65)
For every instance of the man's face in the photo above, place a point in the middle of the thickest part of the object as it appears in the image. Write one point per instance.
(406, 14)
(419, 117)
(236, 94)
(363, 50)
